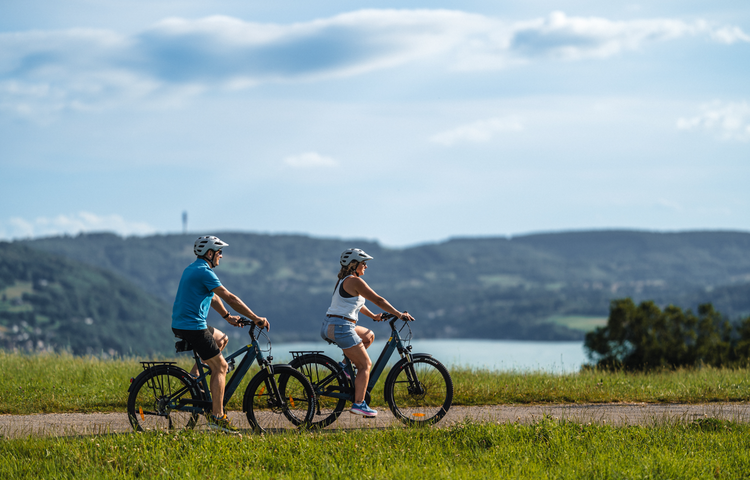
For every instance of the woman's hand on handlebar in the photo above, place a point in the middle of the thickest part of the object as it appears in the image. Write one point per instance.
(406, 317)
(384, 317)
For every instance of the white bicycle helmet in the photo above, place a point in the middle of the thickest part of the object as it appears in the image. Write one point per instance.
(354, 254)
(206, 243)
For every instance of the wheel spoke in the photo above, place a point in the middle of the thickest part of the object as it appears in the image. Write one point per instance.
(324, 375)
(419, 392)
(153, 402)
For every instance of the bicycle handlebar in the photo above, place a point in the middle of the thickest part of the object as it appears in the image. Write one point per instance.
(390, 318)
(244, 321)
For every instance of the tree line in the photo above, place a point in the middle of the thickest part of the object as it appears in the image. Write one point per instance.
(645, 337)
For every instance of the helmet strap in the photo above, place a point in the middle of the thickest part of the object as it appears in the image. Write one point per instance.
(210, 262)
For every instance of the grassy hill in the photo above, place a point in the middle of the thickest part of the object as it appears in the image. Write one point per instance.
(541, 287)
(48, 302)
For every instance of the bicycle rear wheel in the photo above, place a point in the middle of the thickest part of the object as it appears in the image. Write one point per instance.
(419, 392)
(153, 403)
(326, 377)
(279, 401)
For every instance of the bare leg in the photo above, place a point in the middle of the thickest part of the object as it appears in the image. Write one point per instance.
(367, 335)
(358, 355)
(218, 367)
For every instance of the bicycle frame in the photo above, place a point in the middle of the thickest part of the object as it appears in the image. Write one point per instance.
(393, 344)
(253, 354)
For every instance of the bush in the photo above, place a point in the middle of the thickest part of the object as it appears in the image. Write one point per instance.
(644, 337)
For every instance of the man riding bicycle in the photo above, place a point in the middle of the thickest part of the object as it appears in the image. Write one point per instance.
(195, 294)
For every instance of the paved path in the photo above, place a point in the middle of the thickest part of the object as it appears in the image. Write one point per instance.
(65, 424)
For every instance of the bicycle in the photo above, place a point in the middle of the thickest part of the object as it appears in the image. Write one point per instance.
(418, 388)
(165, 396)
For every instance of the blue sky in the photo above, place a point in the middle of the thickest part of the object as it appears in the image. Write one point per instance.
(403, 122)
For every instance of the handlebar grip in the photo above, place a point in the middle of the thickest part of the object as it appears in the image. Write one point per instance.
(389, 316)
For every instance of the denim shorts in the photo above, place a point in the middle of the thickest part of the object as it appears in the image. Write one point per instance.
(344, 333)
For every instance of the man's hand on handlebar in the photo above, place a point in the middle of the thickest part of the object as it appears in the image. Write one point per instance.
(236, 320)
(261, 322)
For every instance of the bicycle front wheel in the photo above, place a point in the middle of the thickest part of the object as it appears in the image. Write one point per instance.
(154, 400)
(279, 401)
(419, 392)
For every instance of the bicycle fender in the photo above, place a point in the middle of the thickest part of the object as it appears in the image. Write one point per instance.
(323, 359)
(180, 371)
(137, 379)
(319, 356)
(277, 366)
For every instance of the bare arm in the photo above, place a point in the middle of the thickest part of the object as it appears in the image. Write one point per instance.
(237, 305)
(368, 313)
(357, 286)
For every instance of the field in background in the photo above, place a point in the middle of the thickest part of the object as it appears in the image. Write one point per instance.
(48, 383)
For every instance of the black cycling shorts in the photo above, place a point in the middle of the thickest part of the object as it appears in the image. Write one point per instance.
(202, 341)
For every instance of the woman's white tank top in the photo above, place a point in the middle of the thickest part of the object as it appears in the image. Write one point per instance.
(344, 304)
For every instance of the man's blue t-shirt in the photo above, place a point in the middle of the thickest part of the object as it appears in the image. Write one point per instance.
(194, 295)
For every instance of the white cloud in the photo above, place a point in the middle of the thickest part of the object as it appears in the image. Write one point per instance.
(49, 71)
(18, 228)
(310, 160)
(728, 121)
(480, 131)
(574, 38)
(730, 35)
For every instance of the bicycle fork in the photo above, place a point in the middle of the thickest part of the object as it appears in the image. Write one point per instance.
(275, 399)
(415, 386)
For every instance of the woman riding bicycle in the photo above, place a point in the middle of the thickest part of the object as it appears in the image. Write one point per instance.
(340, 325)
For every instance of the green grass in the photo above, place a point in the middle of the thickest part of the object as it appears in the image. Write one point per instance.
(48, 383)
(547, 449)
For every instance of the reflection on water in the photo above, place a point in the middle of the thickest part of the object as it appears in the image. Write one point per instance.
(556, 357)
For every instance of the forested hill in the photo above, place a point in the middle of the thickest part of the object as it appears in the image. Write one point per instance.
(48, 302)
(525, 287)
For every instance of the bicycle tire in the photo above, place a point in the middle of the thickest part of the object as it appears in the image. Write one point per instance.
(154, 398)
(293, 407)
(421, 402)
(325, 375)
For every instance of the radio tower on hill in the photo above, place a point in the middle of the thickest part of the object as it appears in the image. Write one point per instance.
(184, 222)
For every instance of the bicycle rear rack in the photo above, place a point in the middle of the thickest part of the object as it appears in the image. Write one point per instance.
(299, 353)
(150, 365)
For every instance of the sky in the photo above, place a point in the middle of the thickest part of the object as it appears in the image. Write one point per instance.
(403, 122)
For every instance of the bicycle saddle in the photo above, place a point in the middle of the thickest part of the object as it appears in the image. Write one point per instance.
(182, 345)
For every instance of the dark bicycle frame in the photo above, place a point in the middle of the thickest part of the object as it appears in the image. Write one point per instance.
(200, 405)
(394, 343)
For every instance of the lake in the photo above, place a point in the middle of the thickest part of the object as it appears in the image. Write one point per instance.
(555, 357)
